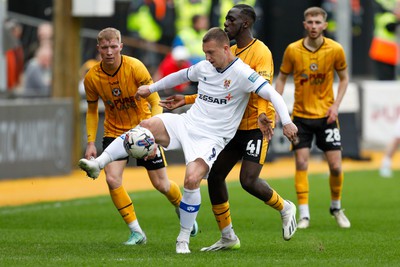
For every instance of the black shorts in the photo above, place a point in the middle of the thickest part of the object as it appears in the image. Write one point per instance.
(157, 163)
(249, 144)
(327, 135)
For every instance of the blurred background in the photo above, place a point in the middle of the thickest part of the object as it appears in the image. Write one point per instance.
(48, 45)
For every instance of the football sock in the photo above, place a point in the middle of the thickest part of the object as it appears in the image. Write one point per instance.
(116, 149)
(275, 201)
(304, 211)
(124, 204)
(103, 159)
(301, 184)
(335, 204)
(222, 215)
(386, 162)
(336, 184)
(189, 207)
(135, 227)
(174, 194)
(228, 232)
(184, 235)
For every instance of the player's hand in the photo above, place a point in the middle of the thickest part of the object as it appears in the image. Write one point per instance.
(332, 114)
(290, 131)
(173, 102)
(91, 151)
(143, 91)
(265, 126)
(152, 154)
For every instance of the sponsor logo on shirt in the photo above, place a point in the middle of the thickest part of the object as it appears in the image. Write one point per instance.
(220, 101)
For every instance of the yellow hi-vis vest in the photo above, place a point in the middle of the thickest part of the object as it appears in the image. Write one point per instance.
(144, 24)
(384, 47)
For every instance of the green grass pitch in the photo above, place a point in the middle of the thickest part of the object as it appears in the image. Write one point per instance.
(90, 232)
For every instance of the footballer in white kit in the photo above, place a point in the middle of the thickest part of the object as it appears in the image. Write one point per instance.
(212, 121)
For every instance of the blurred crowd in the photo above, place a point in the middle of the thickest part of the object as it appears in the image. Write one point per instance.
(176, 27)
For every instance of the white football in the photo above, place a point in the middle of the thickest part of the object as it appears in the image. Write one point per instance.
(139, 142)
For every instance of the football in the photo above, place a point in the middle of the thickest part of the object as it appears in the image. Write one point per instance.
(139, 142)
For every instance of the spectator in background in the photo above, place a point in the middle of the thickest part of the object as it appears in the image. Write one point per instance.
(82, 72)
(44, 34)
(187, 9)
(38, 73)
(191, 37)
(176, 60)
(151, 21)
(383, 50)
(14, 53)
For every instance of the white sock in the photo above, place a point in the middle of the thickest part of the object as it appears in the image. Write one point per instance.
(135, 227)
(104, 159)
(335, 204)
(116, 149)
(286, 206)
(386, 163)
(189, 208)
(304, 211)
(228, 232)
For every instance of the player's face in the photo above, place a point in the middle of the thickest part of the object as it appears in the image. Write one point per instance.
(233, 24)
(110, 52)
(215, 53)
(315, 26)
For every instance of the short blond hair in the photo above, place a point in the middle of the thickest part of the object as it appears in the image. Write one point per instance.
(109, 34)
(216, 34)
(315, 11)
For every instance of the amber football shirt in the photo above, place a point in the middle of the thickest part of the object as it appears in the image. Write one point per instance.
(258, 56)
(117, 90)
(313, 74)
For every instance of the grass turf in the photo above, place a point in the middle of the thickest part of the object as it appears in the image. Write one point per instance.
(90, 232)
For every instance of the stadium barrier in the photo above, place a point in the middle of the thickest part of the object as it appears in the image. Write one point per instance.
(35, 137)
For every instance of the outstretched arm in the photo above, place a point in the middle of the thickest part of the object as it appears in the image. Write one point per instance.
(167, 82)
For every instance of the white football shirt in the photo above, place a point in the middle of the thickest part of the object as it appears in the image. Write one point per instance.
(222, 96)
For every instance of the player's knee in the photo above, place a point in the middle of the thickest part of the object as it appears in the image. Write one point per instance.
(335, 170)
(161, 186)
(113, 181)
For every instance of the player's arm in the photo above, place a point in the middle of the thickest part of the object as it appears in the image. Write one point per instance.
(167, 82)
(280, 82)
(154, 101)
(92, 120)
(176, 101)
(333, 111)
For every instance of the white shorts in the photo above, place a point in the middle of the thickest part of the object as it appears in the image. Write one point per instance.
(194, 145)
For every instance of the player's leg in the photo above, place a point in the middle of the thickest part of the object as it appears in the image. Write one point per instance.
(158, 176)
(328, 139)
(254, 148)
(302, 187)
(157, 128)
(302, 153)
(190, 203)
(334, 158)
(218, 193)
(123, 202)
(115, 150)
